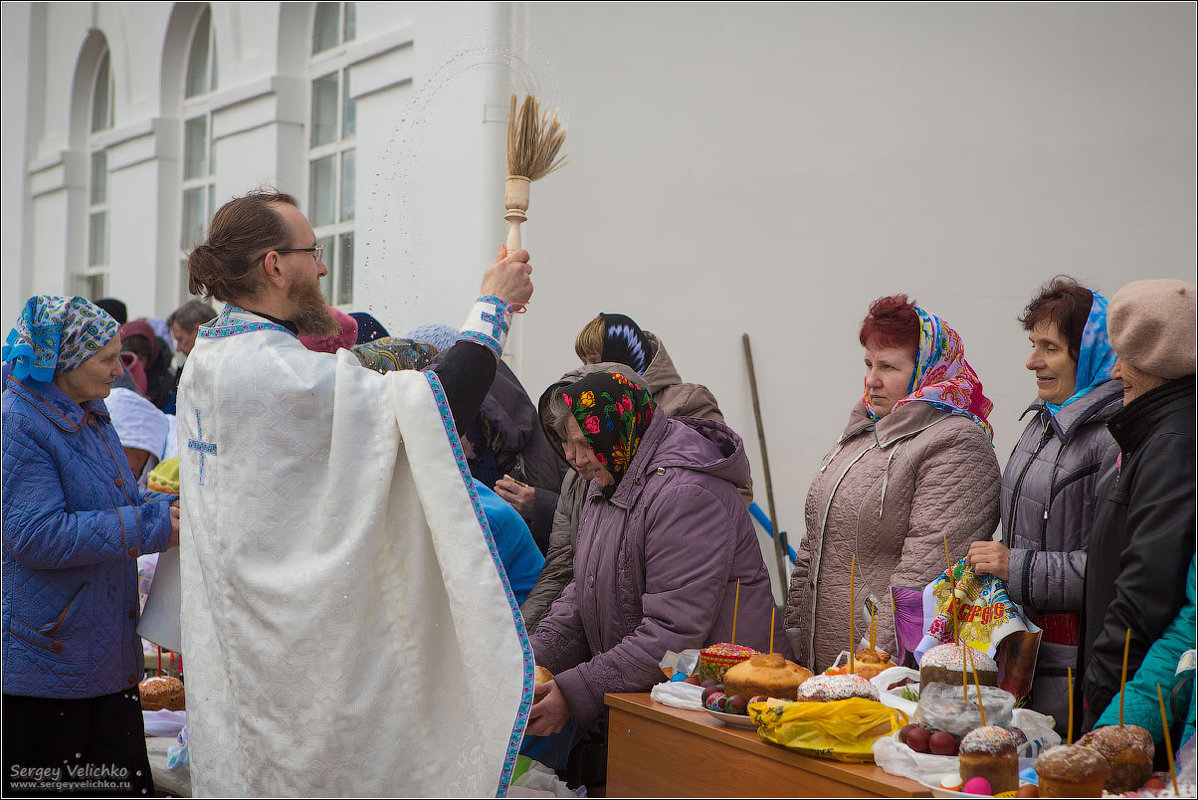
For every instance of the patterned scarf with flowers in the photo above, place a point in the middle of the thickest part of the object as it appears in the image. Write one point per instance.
(943, 377)
(614, 413)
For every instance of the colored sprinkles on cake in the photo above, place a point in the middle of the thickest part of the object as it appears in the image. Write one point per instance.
(829, 688)
(990, 740)
(952, 656)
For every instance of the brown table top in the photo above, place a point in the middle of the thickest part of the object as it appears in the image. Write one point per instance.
(867, 777)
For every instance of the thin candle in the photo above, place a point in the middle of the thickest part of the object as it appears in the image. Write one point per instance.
(964, 674)
(773, 611)
(1069, 687)
(1123, 679)
(852, 609)
(735, 610)
(981, 705)
(952, 598)
(159, 658)
(1168, 744)
(873, 627)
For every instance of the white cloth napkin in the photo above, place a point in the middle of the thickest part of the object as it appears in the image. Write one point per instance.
(679, 695)
(164, 722)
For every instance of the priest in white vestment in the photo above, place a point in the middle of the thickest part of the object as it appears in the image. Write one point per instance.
(347, 628)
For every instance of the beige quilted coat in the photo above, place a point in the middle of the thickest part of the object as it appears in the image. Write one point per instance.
(889, 491)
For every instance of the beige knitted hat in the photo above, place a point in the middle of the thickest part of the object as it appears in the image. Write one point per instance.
(1152, 326)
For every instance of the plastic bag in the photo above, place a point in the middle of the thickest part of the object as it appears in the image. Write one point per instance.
(1186, 762)
(980, 614)
(894, 698)
(945, 707)
(677, 666)
(534, 779)
(1038, 728)
(897, 759)
(178, 755)
(844, 730)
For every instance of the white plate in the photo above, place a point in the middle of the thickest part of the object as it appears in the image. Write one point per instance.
(939, 791)
(732, 720)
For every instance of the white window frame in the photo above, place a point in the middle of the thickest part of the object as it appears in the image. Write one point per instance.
(197, 106)
(91, 281)
(334, 235)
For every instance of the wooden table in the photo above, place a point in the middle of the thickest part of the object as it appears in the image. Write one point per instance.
(658, 751)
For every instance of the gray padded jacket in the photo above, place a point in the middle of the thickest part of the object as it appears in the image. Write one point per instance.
(1049, 495)
(891, 492)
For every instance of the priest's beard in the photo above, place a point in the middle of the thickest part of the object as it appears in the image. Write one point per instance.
(313, 317)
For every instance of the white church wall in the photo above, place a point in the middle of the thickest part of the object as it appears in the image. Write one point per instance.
(759, 168)
(772, 168)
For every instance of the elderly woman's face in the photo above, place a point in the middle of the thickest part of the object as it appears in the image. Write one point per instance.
(582, 457)
(185, 340)
(1136, 382)
(888, 373)
(93, 379)
(1056, 371)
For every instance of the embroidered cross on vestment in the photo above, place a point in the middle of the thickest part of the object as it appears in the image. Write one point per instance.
(200, 446)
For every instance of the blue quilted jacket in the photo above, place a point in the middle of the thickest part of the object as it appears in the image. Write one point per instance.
(74, 524)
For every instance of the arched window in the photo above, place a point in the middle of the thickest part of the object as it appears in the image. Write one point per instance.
(199, 168)
(90, 282)
(331, 134)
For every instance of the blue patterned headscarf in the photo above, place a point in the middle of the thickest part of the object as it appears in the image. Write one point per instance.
(56, 333)
(1095, 358)
(439, 336)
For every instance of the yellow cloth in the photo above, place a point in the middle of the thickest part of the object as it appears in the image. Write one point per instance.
(165, 477)
(833, 730)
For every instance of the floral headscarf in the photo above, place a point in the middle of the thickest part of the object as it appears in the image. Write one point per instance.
(625, 343)
(1095, 358)
(56, 333)
(614, 413)
(943, 377)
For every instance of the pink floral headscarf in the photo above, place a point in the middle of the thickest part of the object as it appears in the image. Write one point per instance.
(943, 377)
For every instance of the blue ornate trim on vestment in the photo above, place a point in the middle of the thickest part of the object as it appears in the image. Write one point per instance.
(225, 325)
(483, 339)
(513, 750)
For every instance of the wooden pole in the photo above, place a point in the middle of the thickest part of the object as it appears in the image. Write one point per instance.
(765, 463)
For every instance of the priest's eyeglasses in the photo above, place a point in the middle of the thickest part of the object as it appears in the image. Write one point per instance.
(317, 251)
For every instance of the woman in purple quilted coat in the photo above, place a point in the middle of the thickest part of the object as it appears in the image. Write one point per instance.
(663, 538)
(74, 525)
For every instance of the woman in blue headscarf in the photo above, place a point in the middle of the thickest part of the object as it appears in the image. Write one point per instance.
(1050, 484)
(74, 524)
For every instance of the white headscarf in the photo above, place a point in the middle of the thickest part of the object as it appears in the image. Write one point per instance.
(141, 425)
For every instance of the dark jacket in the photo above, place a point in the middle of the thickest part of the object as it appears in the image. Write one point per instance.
(1142, 540)
(525, 453)
(1049, 496)
(74, 525)
(656, 568)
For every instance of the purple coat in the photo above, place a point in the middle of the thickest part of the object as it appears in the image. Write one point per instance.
(655, 568)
